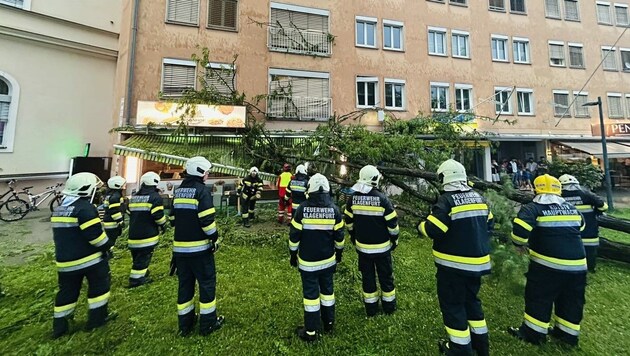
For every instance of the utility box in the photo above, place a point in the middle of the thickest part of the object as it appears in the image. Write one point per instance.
(100, 166)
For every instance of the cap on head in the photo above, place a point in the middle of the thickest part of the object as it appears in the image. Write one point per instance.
(198, 166)
(369, 175)
(150, 179)
(452, 171)
(318, 184)
(116, 182)
(82, 184)
(547, 184)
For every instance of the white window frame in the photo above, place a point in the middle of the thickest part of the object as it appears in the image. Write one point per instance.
(564, 50)
(575, 45)
(550, 16)
(577, 3)
(26, 4)
(404, 95)
(597, 7)
(377, 96)
(468, 87)
(302, 9)
(627, 100)
(172, 22)
(622, 63)
(613, 55)
(509, 101)
(531, 101)
(400, 25)
(620, 97)
(179, 62)
(576, 105)
(8, 140)
(561, 92)
(441, 31)
(624, 6)
(365, 20)
(517, 11)
(502, 9)
(506, 41)
(466, 36)
(452, 2)
(442, 85)
(527, 50)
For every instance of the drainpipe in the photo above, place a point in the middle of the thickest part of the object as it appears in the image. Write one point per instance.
(132, 59)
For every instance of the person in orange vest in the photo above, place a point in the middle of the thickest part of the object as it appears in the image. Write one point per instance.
(283, 182)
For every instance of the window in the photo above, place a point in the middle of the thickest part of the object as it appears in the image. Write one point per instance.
(459, 44)
(299, 30)
(221, 77)
(561, 103)
(571, 10)
(439, 96)
(437, 41)
(5, 103)
(576, 55)
(222, 14)
(392, 35)
(394, 94)
(177, 76)
(517, 6)
(463, 97)
(628, 105)
(625, 59)
(367, 92)
(609, 57)
(603, 13)
(459, 2)
(621, 15)
(9, 97)
(17, 3)
(556, 54)
(615, 106)
(503, 104)
(497, 5)
(581, 98)
(525, 100)
(499, 48)
(182, 12)
(301, 95)
(366, 31)
(521, 50)
(552, 9)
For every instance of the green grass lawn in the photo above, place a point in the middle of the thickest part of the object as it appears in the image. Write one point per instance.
(616, 235)
(260, 296)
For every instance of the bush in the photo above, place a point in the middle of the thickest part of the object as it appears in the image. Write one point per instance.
(589, 175)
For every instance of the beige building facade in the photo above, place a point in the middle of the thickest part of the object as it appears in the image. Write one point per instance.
(58, 62)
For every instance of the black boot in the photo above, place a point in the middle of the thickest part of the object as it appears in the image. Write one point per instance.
(480, 344)
(217, 325)
(329, 327)
(187, 325)
(246, 222)
(564, 338)
(308, 336)
(60, 327)
(93, 324)
(371, 309)
(522, 335)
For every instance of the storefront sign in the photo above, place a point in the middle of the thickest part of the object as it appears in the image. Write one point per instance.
(616, 129)
(166, 113)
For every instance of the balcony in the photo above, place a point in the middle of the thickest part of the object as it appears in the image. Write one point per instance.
(293, 40)
(301, 108)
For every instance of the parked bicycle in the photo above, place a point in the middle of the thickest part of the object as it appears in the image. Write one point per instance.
(12, 193)
(15, 209)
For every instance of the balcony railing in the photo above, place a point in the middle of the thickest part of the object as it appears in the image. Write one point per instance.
(292, 40)
(301, 108)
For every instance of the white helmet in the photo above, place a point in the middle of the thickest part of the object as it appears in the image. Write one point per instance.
(150, 179)
(253, 170)
(369, 175)
(452, 171)
(82, 184)
(300, 169)
(318, 183)
(198, 166)
(568, 179)
(116, 182)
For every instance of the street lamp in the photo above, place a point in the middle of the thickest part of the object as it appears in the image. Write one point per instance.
(604, 150)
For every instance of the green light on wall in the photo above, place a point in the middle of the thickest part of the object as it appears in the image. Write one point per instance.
(86, 150)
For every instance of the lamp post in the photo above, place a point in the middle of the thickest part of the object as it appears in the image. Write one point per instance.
(604, 150)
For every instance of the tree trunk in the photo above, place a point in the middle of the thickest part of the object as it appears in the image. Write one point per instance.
(614, 250)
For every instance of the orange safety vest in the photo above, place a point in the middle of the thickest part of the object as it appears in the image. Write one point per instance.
(284, 179)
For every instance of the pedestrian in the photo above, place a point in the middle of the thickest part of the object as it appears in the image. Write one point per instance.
(114, 219)
(80, 246)
(532, 166)
(146, 221)
(556, 279)
(296, 191)
(496, 177)
(590, 205)
(194, 245)
(459, 225)
(316, 241)
(284, 204)
(250, 190)
(373, 226)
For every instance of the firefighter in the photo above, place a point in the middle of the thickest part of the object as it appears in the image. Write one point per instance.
(590, 205)
(550, 228)
(296, 191)
(250, 190)
(114, 220)
(80, 246)
(316, 241)
(193, 248)
(373, 226)
(284, 204)
(146, 220)
(459, 225)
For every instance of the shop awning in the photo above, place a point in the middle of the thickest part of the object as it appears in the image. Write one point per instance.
(177, 150)
(615, 150)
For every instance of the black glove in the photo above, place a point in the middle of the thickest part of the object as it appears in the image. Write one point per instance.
(121, 224)
(163, 228)
(109, 254)
(294, 260)
(394, 241)
(173, 266)
(214, 247)
(338, 255)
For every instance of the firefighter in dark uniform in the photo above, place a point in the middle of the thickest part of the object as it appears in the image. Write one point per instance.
(146, 220)
(250, 189)
(80, 246)
(590, 205)
(459, 225)
(193, 247)
(113, 220)
(296, 191)
(550, 228)
(373, 226)
(316, 241)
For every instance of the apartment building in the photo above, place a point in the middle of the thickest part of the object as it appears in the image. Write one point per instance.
(533, 63)
(57, 69)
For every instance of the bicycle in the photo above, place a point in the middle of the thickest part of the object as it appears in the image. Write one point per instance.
(14, 194)
(15, 209)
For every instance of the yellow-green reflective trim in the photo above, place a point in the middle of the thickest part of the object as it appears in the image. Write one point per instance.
(63, 219)
(295, 224)
(423, 229)
(558, 261)
(389, 294)
(63, 308)
(568, 324)
(458, 333)
(438, 223)
(100, 298)
(391, 215)
(490, 215)
(338, 226)
(143, 241)
(115, 205)
(161, 220)
(467, 260)
(327, 297)
(140, 205)
(100, 238)
(294, 244)
(590, 240)
(210, 227)
(477, 323)
(603, 208)
(518, 238)
(469, 207)
(370, 295)
(316, 263)
(87, 224)
(156, 209)
(206, 212)
(208, 305)
(523, 224)
(80, 261)
(117, 216)
(190, 243)
(559, 218)
(373, 247)
(318, 221)
(536, 321)
(311, 301)
(185, 201)
(349, 213)
(184, 305)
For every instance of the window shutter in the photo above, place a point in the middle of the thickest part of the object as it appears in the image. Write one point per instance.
(575, 56)
(603, 14)
(4, 110)
(303, 21)
(615, 108)
(183, 11)
(571, 10)
(223, 13)
(609, 62)
(621, 15)
(552, 8)
(556, 52)
(220, 80)
(178, 78)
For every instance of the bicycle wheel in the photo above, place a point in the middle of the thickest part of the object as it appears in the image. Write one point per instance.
(55, 202)
(13, 210)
